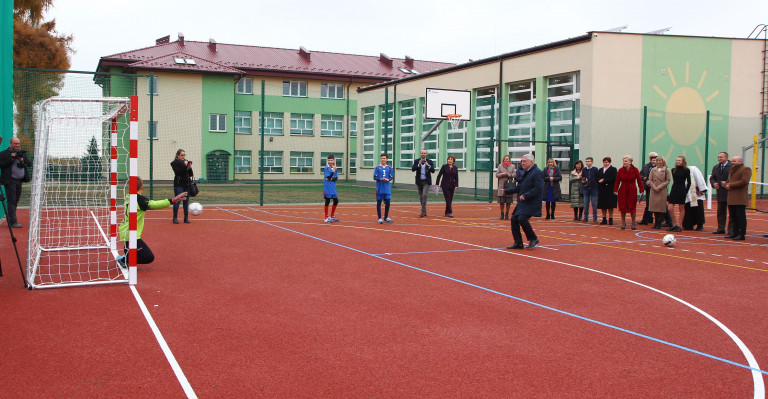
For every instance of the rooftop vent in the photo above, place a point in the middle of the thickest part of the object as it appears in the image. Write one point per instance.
(408, 61)
(385, 59)
(163, 40)
(306, 54)
(212, 45)
(181, 39)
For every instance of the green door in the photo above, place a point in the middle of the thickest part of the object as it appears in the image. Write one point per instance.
(218, 166)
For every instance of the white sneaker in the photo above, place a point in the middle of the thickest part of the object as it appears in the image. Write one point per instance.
(389, 220)
(328, 220)
(334, 218)
(381, 221)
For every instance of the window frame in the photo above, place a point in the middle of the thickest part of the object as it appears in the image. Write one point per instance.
(325, 91)
(247, 86)
(298, 155)
(241, 155)
(219, 119)
(242, 118)
(288, 88)
(309, 125)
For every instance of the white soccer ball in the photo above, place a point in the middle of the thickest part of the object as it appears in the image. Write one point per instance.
(669, 240)
(195, 208)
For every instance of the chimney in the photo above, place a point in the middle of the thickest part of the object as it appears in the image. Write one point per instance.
(163, 40)
(212, 45)
(181, 39)
(385, 59)
(304, 53)
(408, 61)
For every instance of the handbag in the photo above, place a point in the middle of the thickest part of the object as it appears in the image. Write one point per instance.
(193, 190)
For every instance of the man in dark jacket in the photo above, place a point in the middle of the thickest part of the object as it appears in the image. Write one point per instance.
(644, 173)
(717, 180)
(424, 167)
(530, 191)
(14, 163)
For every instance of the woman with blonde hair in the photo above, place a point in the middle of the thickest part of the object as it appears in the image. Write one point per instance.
(628, 183)
(506, 179)
(658, 180)
(681, 183)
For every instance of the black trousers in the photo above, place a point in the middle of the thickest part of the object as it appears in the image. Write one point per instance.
(694, 215)
(738, 215)
(13, 195)
(144, 255)
(722, 216)
(448, 194)
(519, 221)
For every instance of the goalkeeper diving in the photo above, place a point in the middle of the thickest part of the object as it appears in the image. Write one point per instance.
(144, 255)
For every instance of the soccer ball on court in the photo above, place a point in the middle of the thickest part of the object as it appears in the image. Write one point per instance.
(195, 208)
(669, 240)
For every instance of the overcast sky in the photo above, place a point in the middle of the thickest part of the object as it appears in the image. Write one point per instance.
(445, 30)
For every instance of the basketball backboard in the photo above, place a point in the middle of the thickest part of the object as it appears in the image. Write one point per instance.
(442, 102)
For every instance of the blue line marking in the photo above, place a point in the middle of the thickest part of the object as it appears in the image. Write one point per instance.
(661, 341)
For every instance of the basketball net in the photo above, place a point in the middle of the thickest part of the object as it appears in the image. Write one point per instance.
(454, 119)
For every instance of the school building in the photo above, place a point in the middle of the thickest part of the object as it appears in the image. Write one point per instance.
(207, 98)
(599, 94)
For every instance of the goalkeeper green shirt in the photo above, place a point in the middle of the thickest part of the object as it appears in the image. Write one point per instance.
(144, 204)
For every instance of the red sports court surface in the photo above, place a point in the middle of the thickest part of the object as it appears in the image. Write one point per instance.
(272, 302)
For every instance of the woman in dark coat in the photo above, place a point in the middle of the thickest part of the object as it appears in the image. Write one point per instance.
(448, 180)
(577, 191)
(606, 199)
(628, 182)
(552, 178)
(183, 175)
(681, 183)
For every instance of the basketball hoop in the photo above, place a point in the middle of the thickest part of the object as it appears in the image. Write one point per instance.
(454, 119)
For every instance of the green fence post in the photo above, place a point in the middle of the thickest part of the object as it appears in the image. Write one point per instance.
(492, 155)
(6, 74)
(706, 146)
(261, 149)
(645, 131)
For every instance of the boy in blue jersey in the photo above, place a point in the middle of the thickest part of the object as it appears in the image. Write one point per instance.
(329, 188)
(383, 174)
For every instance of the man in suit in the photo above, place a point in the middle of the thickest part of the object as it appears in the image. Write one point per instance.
(589, 179)
(737, 186)
(424, 168)
(718, 180)
(14, 163)
(530, 191)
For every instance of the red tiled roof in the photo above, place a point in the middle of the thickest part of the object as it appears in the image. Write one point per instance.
(240, 59)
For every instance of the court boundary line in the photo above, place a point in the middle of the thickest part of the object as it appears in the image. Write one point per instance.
(758, 384)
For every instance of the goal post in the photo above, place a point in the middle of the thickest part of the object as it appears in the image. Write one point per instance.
(84, 166)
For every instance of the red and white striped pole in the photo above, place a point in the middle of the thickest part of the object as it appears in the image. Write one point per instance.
(113, 186)
(132, 183)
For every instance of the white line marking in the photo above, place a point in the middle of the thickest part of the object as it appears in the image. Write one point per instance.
(164, 346)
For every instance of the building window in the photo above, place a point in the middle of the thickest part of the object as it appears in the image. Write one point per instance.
(245, 86)
(353, 126)
(152, 85)
(331, 90)
(152, 130)
(218, 123)
(353, 163)
(302, 125)
(339, 160)
(301, 162)
(369, 137)
(407, 133)
(273, 123)
(332, 125)
(522, 118)
(563, 97)
(242, 161)
(485, 100)
(294, 88)
(243, 122)
(273, 161)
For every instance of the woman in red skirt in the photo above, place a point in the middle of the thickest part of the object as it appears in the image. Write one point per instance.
(628, 183)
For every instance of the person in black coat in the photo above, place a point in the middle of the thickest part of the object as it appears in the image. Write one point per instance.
(424, 167)
(14, 164)
(448, 180)
(530, 191)
(606, 199)
(718, 179)
(552, 193)
(183, 175)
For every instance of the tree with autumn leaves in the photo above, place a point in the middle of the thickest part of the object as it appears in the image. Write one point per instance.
(36, 44)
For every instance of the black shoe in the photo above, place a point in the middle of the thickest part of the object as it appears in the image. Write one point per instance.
(739, 238)
(506, 216)
(517, 245)
(729, 236)
(665, 224)
(553, 217)
(586, 220)
(643, 223)
(605, 221)
(700, 228)
(175, 221)
(548, 217)
(718, 232)
(16, 226)
(502, 216)
(533, 243)
(186, 220)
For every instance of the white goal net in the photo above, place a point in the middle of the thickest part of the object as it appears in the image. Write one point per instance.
(79, 179)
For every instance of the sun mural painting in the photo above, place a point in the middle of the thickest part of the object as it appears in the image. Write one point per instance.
(681, 92)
